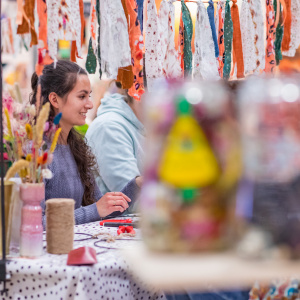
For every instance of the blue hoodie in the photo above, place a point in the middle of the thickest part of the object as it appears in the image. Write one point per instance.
(116, 137)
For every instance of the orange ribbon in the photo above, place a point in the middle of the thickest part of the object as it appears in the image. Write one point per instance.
(74, 51)
(287, 24)
(125, 74)
(27, 20)
(238, 59)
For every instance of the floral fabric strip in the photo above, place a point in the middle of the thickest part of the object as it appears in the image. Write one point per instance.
(59, 12)
(205, 63)
(152, 61)
(270, 38)
(43, 52)
(114, 39)
(248, 38)
(42, 14)
(74, 49)
(211, 13)
(181, 42)
(170, 60)
(219, 20)
(136, 46)
(238, 60)
(93, 24)
(7, 36)
(295, 28)
(228, 33)
(187, 34)
(259, 35)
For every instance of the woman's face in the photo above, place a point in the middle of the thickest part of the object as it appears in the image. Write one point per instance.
(78, 102)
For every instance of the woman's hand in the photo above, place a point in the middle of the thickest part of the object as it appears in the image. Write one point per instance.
(110, 202)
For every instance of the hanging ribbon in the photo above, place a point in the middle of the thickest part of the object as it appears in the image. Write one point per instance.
(238, 59)
(93, 23)
(270, 37)
(279, 35)
(181, 43)
(74, 50)
(28, 21)
(98, 45)
(136, 45)
(286, 40)
(140, 5)
(42, 15)
(221, 58)
(188, 35)
(125, 74)
(91, 60)
(228, 32)
(211, 13)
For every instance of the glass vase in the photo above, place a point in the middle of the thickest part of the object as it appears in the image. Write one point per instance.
(31, 243)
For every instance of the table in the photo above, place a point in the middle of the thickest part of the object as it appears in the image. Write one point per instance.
(48, 277)
(206, 271)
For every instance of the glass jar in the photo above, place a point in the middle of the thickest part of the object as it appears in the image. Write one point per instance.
(269, 113)
(192, 167)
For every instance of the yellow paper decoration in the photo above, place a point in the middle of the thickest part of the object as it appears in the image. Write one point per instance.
(188, 161)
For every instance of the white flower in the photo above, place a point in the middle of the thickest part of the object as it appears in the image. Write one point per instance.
(47, 174)
(31, 110)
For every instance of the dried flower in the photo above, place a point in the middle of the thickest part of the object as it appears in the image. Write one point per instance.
(28, 131)
(29, 157)
(55, 138)
(47, 174)
(31, 110)
(8, 123)
(16, 167)
(40, 123)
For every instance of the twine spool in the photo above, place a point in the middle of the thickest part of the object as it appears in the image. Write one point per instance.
(60, 225)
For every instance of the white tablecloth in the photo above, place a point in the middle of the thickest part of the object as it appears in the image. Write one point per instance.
(48, 277)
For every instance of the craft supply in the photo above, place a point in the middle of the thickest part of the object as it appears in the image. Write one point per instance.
(121, 230)
(82, 256)
(134, 224)
(60, 225)
(115, 221)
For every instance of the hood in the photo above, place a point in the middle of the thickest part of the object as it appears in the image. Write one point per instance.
(116, 103)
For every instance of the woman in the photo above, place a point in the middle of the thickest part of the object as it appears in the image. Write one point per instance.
(116, 138)
(68, 89)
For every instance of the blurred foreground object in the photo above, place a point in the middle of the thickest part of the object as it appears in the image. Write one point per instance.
(269, 193)
(192, 168)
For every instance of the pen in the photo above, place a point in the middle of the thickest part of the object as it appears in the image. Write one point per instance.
(133, 224)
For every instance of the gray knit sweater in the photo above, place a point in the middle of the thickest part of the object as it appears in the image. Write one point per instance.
(66, 183)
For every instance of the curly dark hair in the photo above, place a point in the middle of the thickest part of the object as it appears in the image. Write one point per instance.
(61, 80)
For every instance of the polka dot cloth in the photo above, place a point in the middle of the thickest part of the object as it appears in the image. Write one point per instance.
(48, 277)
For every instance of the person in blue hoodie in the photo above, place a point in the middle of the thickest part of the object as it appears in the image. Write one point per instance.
(116, 137)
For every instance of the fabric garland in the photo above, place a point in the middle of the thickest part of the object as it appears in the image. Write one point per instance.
(228, 34)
